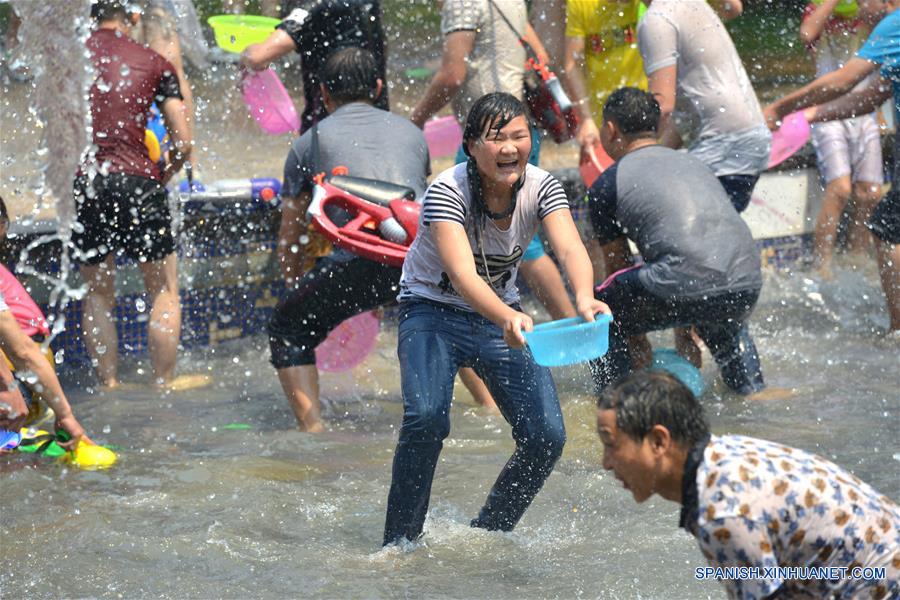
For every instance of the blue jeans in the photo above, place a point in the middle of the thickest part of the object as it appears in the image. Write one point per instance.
(435, 340)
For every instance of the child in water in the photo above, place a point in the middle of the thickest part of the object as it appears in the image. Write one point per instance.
(460, 308)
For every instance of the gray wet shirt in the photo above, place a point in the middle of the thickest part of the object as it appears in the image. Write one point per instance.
(693, 241)
(370, 142)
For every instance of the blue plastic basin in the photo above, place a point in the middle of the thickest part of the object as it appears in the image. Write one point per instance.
(569, 341)
(666, 359)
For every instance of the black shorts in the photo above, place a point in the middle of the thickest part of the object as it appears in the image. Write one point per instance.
(885, 220)
(121, 213)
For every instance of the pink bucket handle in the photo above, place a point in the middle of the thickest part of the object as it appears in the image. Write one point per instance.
(608, 281)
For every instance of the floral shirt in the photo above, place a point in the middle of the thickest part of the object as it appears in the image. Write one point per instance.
(753, 503)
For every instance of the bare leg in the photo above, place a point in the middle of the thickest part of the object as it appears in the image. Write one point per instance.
(97, 324)
(640, 350)
(889, 268)
(477, 388)
(544, 279)
(301, 386)
(837, 193)
(161, 281)
(687, 347)
(865, 196)
(597, 261)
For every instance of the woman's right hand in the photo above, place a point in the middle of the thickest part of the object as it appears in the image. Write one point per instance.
(513, 327)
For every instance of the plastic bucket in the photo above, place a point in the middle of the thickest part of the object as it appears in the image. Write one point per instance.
(236, 32)
(444, 136)
(569, 341)
(591, 169)
(790, 137)
(673, 363)
(269, 103)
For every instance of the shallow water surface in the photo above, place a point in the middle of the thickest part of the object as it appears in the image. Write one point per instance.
(194, 510)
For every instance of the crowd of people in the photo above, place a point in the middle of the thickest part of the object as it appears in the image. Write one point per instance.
(749, 502)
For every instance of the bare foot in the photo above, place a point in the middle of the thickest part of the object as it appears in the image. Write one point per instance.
(824, 272)
(317, 427)
(186, 382)
(772, 394)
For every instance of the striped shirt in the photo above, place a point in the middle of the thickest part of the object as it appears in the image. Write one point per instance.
(449, 199)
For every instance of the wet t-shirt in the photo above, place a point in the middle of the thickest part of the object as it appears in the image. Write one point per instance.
(318, 28)
(759, 504)
(692, 240)
(883, 49)
(497, 60)
(449, 199)
(130, 77)
(712, 84)
(611, 56)
(26, 312)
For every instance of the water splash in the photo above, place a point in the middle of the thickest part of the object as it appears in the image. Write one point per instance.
(53, 37)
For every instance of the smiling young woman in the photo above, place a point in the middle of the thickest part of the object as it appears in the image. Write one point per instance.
(460, 308)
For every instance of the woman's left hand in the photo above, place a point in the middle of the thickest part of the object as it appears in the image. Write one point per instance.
(588, 307)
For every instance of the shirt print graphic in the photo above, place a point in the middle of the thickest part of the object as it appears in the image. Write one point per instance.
(499, 266)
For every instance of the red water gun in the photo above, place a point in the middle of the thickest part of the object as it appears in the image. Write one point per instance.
(384, 218)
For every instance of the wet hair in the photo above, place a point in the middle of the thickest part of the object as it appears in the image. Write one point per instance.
(647, 398)
(109, 10)
(4, 214)
(491, 112)
(634, 111)
(350, 75)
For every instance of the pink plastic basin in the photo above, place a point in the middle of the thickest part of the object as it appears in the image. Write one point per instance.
(444, 136)
(269, 103)
(790, 137)
(348, 344)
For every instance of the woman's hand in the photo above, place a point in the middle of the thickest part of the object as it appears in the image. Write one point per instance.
(71, 426)
(589, 306)
(513, 327)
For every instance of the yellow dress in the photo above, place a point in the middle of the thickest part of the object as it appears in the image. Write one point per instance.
(611, 56)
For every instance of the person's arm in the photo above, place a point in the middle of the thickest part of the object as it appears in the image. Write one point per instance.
(814, 23)
(859, 102)
(26, 357)
(662, 84)
(573, 82)
(13, 410)
(449, 77)
(459, 263)
(658, 45)
(531, 38)
(176, 124)
(728, 9)
(825, 88)
(566, 243)
(164, 41)
(258, 57)
(291, 253)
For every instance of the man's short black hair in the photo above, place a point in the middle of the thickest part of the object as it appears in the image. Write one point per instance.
(110, 10)
(350, 75)
(646, 398)
(633, 110)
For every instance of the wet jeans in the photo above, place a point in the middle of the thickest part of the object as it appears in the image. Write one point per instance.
(435, 340)
(719, 320)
